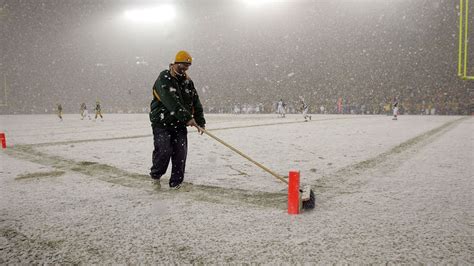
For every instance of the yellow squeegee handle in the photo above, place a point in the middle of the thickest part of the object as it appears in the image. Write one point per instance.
(243, 155)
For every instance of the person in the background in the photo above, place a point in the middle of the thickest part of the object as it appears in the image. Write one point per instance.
(395, 109)
(386, 107)
(81, 110)
(60, 112)
(281, 108)
(304, 110)
(98, 111)
(175, 106)
(84, 111)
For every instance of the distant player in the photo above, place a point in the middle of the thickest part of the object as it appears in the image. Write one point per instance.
(304, 110)
(60, 112)
(395, 109)
(81, 110)
(281, 108)
(84, 111)
(98, 111)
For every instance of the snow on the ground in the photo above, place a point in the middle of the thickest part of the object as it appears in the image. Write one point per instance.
(316, 148)
(387, 191)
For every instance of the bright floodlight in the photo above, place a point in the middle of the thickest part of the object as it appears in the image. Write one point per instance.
(256, 3)
(152, 14)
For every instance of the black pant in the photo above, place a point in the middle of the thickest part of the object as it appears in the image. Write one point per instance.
(170, 144)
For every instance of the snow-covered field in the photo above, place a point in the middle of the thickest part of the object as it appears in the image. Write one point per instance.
(386, 191)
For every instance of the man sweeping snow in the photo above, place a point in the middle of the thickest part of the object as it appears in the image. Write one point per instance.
(175, 106)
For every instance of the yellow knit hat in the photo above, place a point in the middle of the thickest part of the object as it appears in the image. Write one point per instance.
(183, 57)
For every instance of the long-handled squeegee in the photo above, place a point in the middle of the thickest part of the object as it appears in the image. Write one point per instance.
(307, 194)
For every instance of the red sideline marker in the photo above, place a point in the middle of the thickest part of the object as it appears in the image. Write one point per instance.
(3, 139)
(294, 192)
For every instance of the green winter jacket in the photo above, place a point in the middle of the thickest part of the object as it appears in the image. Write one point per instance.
(175, 102)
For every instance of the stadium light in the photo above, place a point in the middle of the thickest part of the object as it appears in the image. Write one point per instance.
(156, 14)
(258, 3)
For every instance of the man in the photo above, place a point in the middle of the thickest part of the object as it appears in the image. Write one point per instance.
(304, 110)
(81, 110)
(84, 111)
(98, 111)
(281, 108)
(60, 112)
(395, 109)
(175, 106)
